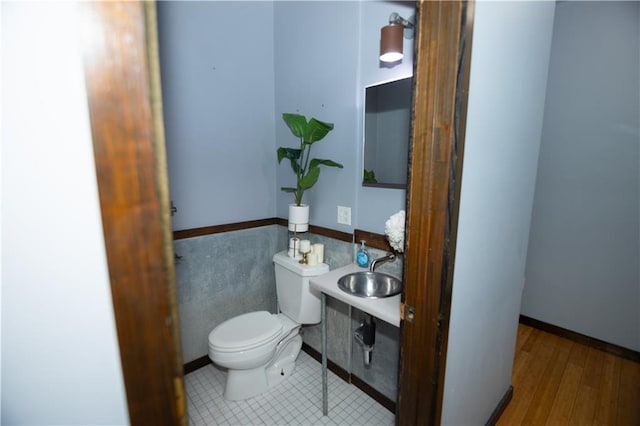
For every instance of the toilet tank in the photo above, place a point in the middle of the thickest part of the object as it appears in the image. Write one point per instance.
(295, 298)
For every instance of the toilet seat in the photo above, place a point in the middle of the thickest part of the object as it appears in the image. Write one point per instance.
(245, 332)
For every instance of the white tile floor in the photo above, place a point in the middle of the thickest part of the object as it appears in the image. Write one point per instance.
(295, 401)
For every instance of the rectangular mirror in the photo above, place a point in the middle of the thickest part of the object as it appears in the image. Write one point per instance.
(387, 121)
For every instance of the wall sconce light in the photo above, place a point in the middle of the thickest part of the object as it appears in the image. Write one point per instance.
(391, 37)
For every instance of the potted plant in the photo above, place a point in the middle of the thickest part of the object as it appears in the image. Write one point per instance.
(307, 170)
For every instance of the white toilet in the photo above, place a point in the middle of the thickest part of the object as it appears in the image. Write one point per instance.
(259, 348)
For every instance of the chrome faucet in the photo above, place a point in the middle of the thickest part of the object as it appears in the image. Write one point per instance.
(390, 257)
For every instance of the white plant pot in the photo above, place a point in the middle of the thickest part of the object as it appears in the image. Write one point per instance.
(299, 218)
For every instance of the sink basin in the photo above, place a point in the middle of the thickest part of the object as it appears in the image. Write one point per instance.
(371, 285)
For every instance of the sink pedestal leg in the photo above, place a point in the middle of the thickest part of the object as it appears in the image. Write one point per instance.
(325, 393)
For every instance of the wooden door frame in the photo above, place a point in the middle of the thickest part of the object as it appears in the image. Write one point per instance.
(122, 80)
(441, 75)
(131, 169)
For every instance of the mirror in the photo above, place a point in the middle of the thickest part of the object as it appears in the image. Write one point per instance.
(387, 121)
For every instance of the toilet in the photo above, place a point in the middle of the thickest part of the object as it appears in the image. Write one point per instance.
(259, 349)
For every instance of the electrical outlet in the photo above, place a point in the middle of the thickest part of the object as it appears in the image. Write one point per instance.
(344, 215)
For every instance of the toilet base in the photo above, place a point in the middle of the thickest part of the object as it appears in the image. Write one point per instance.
(285, 362)
(243, 384)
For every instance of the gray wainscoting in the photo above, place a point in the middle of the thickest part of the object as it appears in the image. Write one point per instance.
(223, 275)
(220, 276)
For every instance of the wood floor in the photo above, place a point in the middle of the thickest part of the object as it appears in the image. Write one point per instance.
(559, 382)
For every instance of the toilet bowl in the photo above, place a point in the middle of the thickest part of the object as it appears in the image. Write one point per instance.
(259, 349)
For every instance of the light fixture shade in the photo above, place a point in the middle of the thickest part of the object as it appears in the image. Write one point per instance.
(391, 43)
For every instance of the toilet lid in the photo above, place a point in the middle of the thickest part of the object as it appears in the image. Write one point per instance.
(246, 330)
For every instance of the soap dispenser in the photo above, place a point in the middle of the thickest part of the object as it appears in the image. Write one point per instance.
(362, 258)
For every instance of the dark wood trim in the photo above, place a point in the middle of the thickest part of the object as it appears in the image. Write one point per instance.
(611, 348)
(442, 47)
(378, 396)
(372, 239)
(237, 226)
(331, 233)
(467, 14)
(386, 185)
(228, 227)
(162, 184)
(196, 364)
(502, 405)
(325, 232)
(134, 202)
(335, 368)
(350, 378)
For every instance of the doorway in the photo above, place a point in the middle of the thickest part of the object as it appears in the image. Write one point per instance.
(134, 200)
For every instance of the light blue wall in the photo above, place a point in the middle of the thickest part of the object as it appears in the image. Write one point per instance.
(326, 53)
(316, 67)
(217, 81)
(582, 266)
(226, 85)
(511, 47)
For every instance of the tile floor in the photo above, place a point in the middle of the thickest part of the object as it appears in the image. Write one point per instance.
(295, 401)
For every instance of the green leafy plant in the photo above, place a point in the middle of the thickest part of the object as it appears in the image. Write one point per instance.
(307, 170)
(369, 176)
